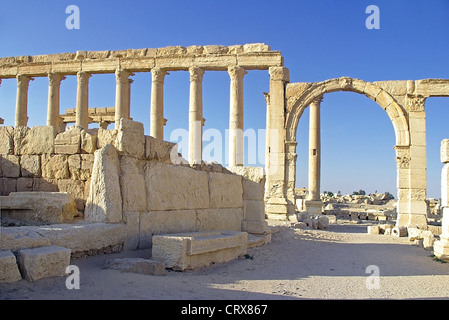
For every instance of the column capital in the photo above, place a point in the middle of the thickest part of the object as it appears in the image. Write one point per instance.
(83, 75)
(55, 78)
(415, 102)
(279, 74)
(196, 74)
(23, 79)
(158, 75)
(123, 75)
(318, 100)
(236, 72)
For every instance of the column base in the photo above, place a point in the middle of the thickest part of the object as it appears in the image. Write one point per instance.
(411, 220)
(441, 249)
(314, 207)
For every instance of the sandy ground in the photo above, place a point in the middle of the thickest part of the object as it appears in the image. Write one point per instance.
(297, 264)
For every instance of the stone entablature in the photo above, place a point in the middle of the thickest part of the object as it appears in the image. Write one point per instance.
(210, 57)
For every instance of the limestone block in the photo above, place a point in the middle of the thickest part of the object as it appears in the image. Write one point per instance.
(226, 190)
(85, 237)
(55, 166)
(399, 231)
(444, 152)
(373, 230)
(256, 47)
(133, 192)
(75, 189)
(25, 184)
(10, 166)
(137, 265)
(29, 141)
(104, 203)
(45, 185)
(14, 238)
(253, 181)
(132, 222)
(215, 49)
(130, 138)
(89, 140)
(256, 226)
(7, 185)
(159, 222)
(156, 149)
(199, 249)
(172, 187)
(68, 142)
(9, 271)
(6, 140)
(51, 207)
(43, 262)
(105, 137)
(254, 210)
(219, 219)
(30, 165)
(80, 166)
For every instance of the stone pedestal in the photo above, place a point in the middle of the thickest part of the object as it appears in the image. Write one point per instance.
(314, 207)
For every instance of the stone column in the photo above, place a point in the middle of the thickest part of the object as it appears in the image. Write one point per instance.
(82, 100)
(314, 203)
(54, 85)
(157, 103)
(277, 205)
(417, 207)
(22, 100)
(441, 247)
(236, 116)
(196, 115)
(122, 95)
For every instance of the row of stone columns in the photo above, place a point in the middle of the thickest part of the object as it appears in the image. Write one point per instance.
(157, 121)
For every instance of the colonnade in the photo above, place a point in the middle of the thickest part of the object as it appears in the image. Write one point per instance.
(157, 120)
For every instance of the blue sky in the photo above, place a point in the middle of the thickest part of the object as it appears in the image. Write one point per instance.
(319, 40)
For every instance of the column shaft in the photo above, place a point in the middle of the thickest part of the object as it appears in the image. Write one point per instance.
(22, 100)
(54, 85)
(314, 150)
(236, 116)
(196, 115)
(122, 95)
(157, 103)
(82, 100)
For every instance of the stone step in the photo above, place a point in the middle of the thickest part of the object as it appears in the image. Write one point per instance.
(193, 250)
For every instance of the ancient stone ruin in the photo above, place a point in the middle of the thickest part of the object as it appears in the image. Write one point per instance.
(71, 191)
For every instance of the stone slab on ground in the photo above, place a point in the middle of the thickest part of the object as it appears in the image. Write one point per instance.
(9, 270)
(193, 250)
(137, 265)
(43, 262)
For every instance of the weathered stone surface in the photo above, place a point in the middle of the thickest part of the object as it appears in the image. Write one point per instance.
(25, 184)
(84, 237)
(10, 166)
(104, 203)
(225, 190)
(51, 207)
(254, 210)
(6, 140)
(55, 166)
(75, 189)
(88, 142)
(253, 181)
(156, 149)
(45, 185)
(373, 230)
(131, 138)
(137, 265)
(157, 222)
(219, 219)
(7, 185)
(105, 137)
(132, 184)
(30, 165)
(14, 238)
(172, 187)
(9, 271)
(43, 262)
(194, 250)
(29, 140)
(69, 141)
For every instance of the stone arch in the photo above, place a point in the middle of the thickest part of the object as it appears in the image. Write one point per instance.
(297, 104)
